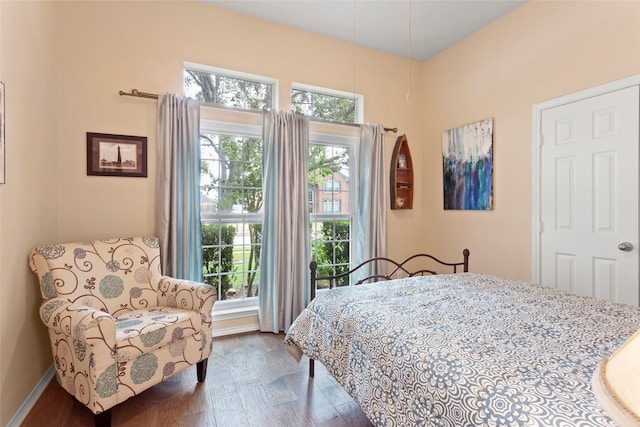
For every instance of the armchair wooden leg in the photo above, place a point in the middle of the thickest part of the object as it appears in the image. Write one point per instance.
(201, 367)
(103, 419)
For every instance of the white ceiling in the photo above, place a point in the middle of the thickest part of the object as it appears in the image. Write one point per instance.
(382, 24)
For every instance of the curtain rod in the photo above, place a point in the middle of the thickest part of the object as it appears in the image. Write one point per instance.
(137, 93)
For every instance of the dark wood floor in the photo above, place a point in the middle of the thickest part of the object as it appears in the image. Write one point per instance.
(251, 381)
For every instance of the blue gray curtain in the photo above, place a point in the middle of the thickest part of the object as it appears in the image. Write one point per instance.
(370, 238)
(285, 252)
(178, 187)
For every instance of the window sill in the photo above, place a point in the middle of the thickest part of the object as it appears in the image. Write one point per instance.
(227, 310)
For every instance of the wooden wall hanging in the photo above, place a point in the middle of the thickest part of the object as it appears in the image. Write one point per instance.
(401, 175)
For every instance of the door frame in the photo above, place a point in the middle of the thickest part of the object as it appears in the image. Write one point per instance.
(536, 147)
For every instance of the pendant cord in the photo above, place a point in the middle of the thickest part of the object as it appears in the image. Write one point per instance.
(354, 50)
(409, 52)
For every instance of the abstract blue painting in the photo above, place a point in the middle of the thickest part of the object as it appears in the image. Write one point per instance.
(467, 165)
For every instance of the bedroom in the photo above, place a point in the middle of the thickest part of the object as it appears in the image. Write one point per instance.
(63, 64)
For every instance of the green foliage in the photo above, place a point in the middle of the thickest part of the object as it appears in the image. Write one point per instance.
(331, 249)
(241, 181)
(322, 106)
(255, 235)
(324, 161)
(217, 255)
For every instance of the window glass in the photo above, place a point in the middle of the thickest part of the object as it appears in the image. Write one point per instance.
(325, 106)
(223, 88)
(231, 213)
(331, 221)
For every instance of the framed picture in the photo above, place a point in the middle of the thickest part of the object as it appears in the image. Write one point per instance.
(116, 155)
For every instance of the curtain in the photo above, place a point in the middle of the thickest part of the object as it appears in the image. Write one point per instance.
(370, 238)
(285, 251)
(178, 187)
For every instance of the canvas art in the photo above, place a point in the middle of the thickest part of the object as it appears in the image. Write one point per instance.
(467, 159)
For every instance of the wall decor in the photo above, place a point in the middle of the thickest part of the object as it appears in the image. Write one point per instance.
(401, 175)
(467, 166)
(2, 132)
(116, 155)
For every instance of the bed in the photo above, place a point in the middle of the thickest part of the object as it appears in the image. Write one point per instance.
(463, 349)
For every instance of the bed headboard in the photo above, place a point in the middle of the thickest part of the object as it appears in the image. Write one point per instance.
(396, 270)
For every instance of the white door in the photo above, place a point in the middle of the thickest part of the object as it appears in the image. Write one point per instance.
(589, 242)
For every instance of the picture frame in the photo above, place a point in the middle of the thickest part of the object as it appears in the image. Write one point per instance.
(116, 155)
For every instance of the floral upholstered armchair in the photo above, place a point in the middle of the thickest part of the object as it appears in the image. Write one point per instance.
(117, 326)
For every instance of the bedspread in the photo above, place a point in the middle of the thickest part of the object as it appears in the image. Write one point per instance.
(464, 350)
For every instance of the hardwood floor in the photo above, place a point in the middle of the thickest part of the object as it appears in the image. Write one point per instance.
(251, 381)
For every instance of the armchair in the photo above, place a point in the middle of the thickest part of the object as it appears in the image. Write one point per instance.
(117, 326)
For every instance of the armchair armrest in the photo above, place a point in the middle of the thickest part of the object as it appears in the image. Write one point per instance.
(80, 322)
(187, 295)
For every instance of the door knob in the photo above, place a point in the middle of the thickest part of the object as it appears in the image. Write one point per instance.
(625, 246)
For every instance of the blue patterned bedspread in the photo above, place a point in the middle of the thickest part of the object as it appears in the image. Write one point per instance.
(465, 350)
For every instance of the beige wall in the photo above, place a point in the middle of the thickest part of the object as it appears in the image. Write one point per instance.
(540, 51)
(147, 50)
(65, 62)
(29, 199)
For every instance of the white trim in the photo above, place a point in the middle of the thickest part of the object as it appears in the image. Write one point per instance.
(321, 138)
(536, 138)
(235, 330)
(240, 129)
(235, 309)
(31, 399)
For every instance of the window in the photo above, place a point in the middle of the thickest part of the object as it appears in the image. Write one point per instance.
(330, 205)
(326, 104)
(231, 178)
(229, 88)
(331, 163)
(331, 185)
(231, 208)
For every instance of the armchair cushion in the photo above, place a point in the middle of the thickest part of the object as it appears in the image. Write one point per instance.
(142, 331)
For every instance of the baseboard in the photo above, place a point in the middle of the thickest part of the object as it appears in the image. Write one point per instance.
(31, 400)
(236, 330)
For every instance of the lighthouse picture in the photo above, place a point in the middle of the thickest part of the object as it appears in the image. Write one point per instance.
(118, 155)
